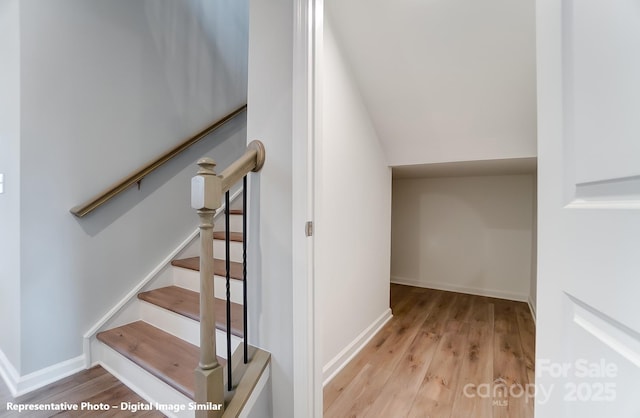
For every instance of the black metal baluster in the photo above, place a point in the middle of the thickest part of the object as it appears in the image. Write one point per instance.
(227, 240)
(244, 268)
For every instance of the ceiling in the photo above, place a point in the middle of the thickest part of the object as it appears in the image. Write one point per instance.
(443, 80)
(467, 168)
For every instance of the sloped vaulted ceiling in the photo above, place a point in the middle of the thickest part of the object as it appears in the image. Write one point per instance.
(444, 80)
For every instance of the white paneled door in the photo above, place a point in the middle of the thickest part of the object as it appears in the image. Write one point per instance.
(588, 345)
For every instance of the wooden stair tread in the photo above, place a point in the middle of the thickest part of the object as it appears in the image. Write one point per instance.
(233, 236)
(236, 212)
(219, 266)
(165, 356)
(187, 303)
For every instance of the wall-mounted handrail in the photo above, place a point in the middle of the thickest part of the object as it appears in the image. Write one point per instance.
(100, 199)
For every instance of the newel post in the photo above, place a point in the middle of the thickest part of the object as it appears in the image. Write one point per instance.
(206, 197)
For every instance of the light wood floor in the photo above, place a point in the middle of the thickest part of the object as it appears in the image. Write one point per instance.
(443, 355)
(95, 386)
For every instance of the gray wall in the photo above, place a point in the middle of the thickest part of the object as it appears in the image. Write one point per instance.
(10, 167)
(106, 86)
(271, 233)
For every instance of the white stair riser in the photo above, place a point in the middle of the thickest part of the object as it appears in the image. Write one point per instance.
(235, 248)
(190, 279)
(183, 327)
(235, 287)
(234, 220)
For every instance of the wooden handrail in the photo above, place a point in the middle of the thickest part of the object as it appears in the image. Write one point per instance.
(99, 200)
(251, 160)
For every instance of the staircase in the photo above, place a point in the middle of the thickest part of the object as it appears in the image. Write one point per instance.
(152, 344)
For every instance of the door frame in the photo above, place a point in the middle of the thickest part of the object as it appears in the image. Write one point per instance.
(307, 105)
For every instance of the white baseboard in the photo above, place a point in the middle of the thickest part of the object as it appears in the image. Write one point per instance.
(9, 374)
(333, 367)
(532, 308)
(21, 385)
(493, 293)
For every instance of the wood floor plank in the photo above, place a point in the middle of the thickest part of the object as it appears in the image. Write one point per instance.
(112, 396)
(380, 364)
(397, 293)
(509, 371)
(347, 375)
(477, 365)
(62, 386)
(94, 385)
(423, 303)
(387, 361)
(428, 381)
(72, 395)
(440, 313)
(335, 388)
(527, 330)
(84, 396)
(434, 327)
(481, 310)
(438, 390)
(463, 308)
(403, 384)
(382, 351)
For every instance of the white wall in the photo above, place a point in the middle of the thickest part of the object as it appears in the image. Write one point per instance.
(468, 234)
(271, 231)
(10, 167)
(445, 80)
(353, 212)
(533, 289)
(107, 86)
